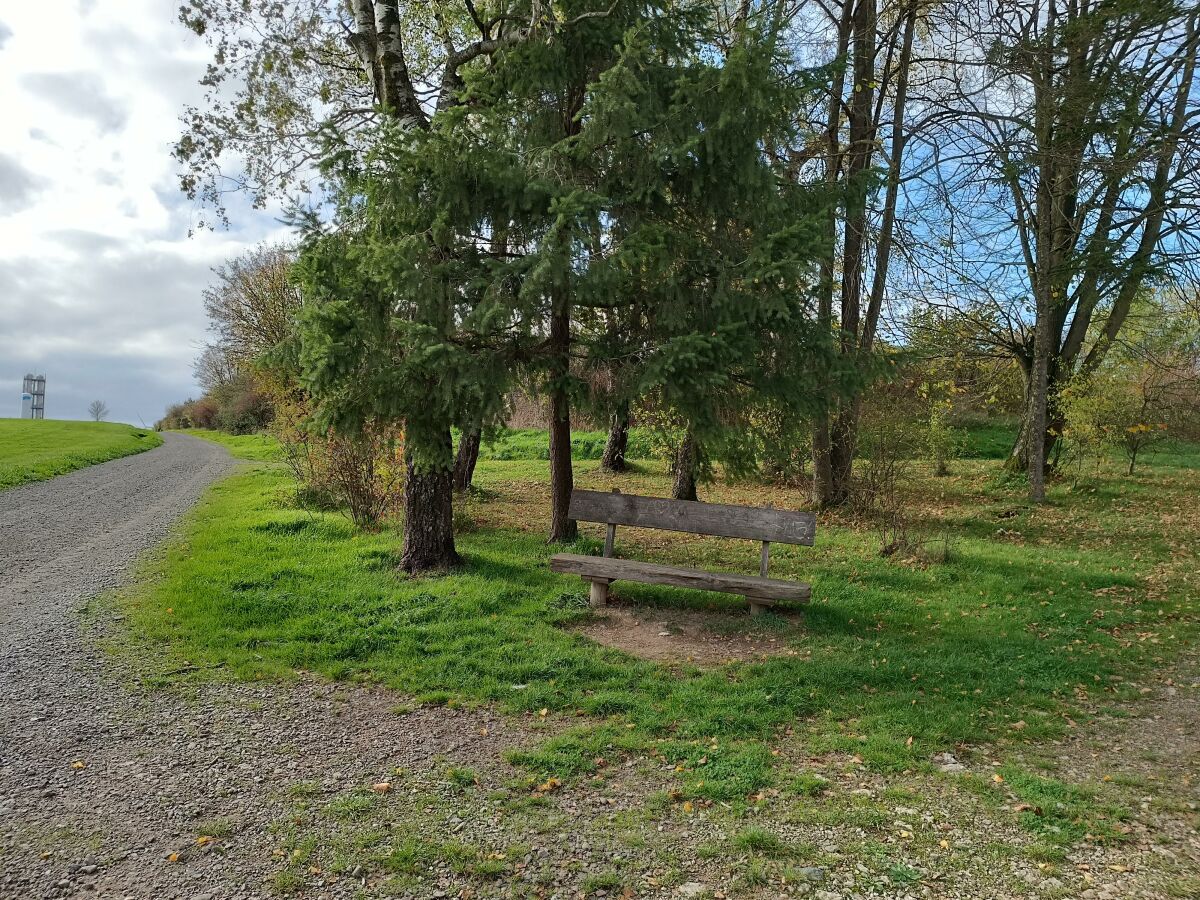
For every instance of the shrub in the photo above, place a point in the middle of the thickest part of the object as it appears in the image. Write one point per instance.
(202, 413)
(242, 406)
(361, 474)
(943, 442)
(888, 441)
(785, 444)
(1127, 406)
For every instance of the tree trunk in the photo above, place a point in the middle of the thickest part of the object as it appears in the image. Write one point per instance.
(1018, 457)
(843, 446)
(685, 470)
(562, 527)
(618, 441)
(429, 516)
(822, 483)
(464, 462)
(1036, 436)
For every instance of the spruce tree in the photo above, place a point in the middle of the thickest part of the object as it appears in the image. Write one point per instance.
(614, 169)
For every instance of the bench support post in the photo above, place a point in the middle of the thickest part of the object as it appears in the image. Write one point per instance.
(598, 593)
(758, 608)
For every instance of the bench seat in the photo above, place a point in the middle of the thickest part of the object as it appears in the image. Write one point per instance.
(762, 591)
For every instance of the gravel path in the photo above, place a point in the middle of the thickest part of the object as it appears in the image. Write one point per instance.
(106, 786)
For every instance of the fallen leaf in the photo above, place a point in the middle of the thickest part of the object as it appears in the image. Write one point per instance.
(382, 787)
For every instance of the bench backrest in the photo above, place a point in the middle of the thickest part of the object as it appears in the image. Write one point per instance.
(716, 519)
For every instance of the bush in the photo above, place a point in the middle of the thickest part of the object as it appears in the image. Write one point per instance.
(943, 442)
(785, 445)
(888, 440)
(242, 406)
(238, 406)
(363, 474)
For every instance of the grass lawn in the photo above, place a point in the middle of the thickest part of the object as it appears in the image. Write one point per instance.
(37, 449)
(1028, 615)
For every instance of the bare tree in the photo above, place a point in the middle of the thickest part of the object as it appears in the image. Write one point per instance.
(214, 368)
(864, 128)
(98, 410)
(252, 307)
(1067, 166)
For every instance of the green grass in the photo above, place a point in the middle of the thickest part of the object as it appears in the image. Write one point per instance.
(259, 447)
(37, 449)
(989, 438)
(532, 444)
(894, 661)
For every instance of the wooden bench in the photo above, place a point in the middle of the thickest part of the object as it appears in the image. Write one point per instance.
(688, 516)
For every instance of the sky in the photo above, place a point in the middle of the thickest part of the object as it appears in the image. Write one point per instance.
(100, 283)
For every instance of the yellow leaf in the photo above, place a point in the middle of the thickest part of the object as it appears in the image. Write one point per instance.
(544, 711)
(79, 764)
(998, 778)
(944, 844)
(203, 839)
(687, 806)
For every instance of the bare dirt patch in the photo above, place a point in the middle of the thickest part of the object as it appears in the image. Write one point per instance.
(688, 636)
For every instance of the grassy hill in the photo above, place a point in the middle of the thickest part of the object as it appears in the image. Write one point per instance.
(37, 449)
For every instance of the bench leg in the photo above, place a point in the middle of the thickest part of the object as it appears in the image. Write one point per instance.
(756, 608)
(598, 595)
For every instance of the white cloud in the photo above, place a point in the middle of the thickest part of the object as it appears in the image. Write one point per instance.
(99, 282)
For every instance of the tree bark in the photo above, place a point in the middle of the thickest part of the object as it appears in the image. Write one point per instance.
(842, 448)
(1018, 457)
(429, 515)
(562, 527)
(1035, 438)
(613, 459)
(684, 487)
(464, 462)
